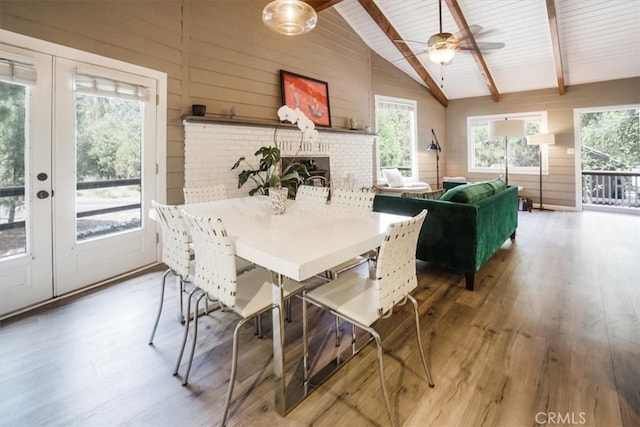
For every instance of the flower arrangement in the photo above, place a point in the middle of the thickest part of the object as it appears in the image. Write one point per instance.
(269, 174)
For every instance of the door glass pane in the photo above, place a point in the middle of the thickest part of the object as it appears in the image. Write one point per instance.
(13, 239)
(108, 165)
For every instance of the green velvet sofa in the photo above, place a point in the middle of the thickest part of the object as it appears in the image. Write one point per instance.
(463, 232)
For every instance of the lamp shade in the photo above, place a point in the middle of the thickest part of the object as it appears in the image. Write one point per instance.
(541, 139)
(434, 146)
(289, 17)
(500, 128)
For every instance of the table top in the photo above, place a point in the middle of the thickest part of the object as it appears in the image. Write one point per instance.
(304, 241)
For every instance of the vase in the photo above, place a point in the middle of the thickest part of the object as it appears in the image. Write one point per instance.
(278, 197)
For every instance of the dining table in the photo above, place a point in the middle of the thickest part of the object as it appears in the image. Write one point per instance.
(303, 242)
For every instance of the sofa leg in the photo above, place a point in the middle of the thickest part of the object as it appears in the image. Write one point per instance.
(470, 279)
(513, 235)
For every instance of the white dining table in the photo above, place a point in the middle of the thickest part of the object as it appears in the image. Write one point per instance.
(299, 244)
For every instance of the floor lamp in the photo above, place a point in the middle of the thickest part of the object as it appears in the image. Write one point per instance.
(435, 146)
(506, 128)
(541, 139)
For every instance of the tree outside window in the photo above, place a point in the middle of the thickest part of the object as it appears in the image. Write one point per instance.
(396, 128)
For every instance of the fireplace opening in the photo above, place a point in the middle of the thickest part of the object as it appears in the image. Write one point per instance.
(317, 167)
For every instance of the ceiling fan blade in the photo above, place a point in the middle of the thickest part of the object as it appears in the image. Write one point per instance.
(483, 46)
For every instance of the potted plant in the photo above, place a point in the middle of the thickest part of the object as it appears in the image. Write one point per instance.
(269, 173)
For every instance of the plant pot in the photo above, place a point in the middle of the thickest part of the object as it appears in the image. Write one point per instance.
(278, 197)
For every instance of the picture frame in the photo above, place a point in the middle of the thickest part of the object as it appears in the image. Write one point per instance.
(310, 95)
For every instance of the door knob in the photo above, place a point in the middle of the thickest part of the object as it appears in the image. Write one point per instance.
(42, 194)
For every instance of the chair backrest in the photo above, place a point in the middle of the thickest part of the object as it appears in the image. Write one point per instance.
(176, 253)
(215, 271)
(396, 263)
(205, 193)
(312, 195)
(358, 199)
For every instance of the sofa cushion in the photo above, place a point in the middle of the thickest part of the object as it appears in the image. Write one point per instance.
(472, 193)
(436, 194)
(393, 177)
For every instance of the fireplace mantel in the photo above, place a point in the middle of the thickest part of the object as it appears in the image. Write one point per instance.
(263, 123)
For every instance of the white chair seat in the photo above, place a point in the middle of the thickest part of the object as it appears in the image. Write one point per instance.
(254, 291)
(351, 295)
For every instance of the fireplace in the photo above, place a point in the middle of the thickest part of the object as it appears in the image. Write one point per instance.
(316, 165)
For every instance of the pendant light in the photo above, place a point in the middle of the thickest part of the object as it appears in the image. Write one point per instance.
(289, 17)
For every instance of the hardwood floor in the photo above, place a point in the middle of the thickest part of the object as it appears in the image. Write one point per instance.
(551, 335)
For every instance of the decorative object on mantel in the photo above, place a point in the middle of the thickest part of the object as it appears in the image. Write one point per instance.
(309, 95)
(233, 113)
(289, 17)
(268, 174)
(199, 110)
(435, 146)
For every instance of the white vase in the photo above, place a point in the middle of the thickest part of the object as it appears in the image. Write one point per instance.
(278, 198)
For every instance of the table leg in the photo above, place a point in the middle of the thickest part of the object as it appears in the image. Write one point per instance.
(278, 343)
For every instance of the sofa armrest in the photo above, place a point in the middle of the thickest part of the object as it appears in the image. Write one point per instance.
(449, 233)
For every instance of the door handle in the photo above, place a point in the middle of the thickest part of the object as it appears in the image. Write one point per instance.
(42, 194)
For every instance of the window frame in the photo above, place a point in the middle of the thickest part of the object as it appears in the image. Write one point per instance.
(413, 104)
(540, 116)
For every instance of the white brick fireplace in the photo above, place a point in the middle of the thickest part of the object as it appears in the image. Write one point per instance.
(213, 146)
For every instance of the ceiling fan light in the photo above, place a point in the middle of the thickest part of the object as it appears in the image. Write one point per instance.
(289, 17)
(441, 48)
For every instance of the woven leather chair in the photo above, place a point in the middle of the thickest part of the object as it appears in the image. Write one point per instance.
(248, 295)
(176, 253)
(362, 301)
(206, 193)
(312, 195)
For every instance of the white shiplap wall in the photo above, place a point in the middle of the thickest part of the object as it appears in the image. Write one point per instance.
(212, 148)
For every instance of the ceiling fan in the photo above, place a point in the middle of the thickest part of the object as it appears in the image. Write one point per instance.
(442, 46)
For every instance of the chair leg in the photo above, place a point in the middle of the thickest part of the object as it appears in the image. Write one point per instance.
(381, 370)
(234, 365)
(195, 338)
(185, 334)
(338, 336)
(155, 325)
(181, 288)
(424, 359)
(305, 343)
(259, 326)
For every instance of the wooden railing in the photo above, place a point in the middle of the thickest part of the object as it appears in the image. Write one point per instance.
(611, 188)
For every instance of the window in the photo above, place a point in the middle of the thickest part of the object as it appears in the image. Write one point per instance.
(487, 155)
(397, 129)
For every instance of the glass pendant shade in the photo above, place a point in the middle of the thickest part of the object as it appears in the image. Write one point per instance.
(289, 17)
(441, 48)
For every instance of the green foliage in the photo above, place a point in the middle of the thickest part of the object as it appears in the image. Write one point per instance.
(268, 175)
(611, 139)
(108, 138)
(12, 142)
(394, 128)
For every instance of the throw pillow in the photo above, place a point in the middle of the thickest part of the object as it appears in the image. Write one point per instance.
(393, 177)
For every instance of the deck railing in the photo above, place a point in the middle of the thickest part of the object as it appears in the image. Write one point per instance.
(18, 191)
(611, 188)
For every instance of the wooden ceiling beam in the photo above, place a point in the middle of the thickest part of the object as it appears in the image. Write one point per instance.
(320, 5)
(461, 22)
(555, 43)
(393, 35)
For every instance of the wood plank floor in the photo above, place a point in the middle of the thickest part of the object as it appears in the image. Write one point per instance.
(551, 335)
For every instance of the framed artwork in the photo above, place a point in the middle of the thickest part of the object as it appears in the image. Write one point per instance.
(311, 96)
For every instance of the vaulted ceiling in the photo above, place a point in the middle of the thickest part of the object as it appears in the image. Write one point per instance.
(548, 43)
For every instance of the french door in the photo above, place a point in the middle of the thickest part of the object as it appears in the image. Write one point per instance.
(72, 213)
